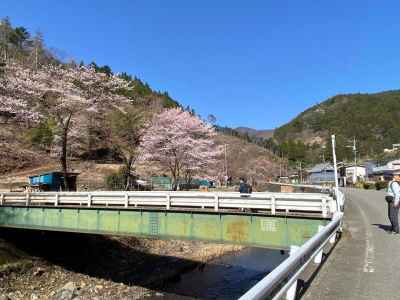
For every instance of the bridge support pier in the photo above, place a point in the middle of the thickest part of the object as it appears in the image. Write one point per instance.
(291, 292)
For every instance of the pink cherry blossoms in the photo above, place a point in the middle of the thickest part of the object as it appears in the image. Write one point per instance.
(181, 143)
(68, 94)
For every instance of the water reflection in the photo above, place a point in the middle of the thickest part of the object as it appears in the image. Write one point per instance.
(227, 277)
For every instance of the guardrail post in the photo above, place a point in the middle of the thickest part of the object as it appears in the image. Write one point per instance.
(28, 199)
(89, 201)
(56, 200)
(291, 292)
(318, 257)
(332, 240)
(324, 208)
(2, 199)
(168, 201)
(273, 205)
(216, 202)
(126, 199)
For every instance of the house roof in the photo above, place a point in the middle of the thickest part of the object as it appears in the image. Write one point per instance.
(321, 168)
(56, 173)
(384, 170)
(391, 166)
(352, 166)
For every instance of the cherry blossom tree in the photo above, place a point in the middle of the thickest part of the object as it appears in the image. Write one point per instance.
(16, 108)
(66, 93)
(180, 143)
(12, 99)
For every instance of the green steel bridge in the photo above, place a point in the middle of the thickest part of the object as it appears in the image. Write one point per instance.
(271, 220)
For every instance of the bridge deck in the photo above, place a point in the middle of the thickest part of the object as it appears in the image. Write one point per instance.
(366, 262)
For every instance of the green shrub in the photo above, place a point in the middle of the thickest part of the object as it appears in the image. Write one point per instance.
(116, 181)
(368, 185)
(359, 185)
(43, 134)
(379, 185)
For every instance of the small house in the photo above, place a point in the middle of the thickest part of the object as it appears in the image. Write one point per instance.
(322, 173)
(355, 173)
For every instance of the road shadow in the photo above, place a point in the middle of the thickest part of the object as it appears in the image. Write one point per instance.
(386, 228)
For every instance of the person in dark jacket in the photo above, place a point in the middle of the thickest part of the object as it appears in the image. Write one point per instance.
(243, 187)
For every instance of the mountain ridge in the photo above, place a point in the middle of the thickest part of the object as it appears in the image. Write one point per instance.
(372, 118)
(260, 133)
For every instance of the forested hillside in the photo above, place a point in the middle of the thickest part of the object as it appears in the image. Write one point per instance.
(53, 110)
(373, 119)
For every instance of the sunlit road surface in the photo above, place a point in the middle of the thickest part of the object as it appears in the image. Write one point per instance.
(366, 262)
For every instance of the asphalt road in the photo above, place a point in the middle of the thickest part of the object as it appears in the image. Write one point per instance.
(365, 264)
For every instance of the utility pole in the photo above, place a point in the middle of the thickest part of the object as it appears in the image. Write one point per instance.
(335, 165)
(226, 164)
(300, 171)
(286, 164)
(354, 149)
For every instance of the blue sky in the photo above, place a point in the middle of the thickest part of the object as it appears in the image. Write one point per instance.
(250, 63)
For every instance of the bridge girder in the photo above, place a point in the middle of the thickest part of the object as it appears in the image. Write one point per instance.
(277, 232)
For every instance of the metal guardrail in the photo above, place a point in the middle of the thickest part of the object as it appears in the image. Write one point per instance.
(283, 279)
(319, 188)
(264, 201)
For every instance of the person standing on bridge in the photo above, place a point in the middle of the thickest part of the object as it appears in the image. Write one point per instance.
(242, 186)
(393, 201)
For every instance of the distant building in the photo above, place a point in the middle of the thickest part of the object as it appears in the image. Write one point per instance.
(385, 173)
(395, 147)
(369, 169)
(322, 173)
(355, 173)
(283, 179)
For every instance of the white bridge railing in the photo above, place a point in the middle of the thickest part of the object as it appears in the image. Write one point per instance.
(282, 281)
(272, 202)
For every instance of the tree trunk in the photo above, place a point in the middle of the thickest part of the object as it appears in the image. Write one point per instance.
(174, 179)
(174, 183)
(63, 158)
(128, 166)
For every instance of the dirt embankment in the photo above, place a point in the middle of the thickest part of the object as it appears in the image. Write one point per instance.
(79, 266)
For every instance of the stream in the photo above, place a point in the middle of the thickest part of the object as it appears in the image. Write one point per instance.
(226, 277)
